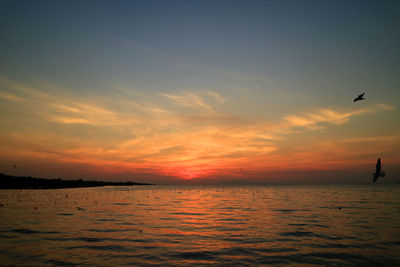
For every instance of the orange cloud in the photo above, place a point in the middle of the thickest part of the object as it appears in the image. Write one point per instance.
(119, 133)
(309, 120)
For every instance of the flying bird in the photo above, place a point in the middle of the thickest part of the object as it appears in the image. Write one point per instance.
(359, 97)
(378, 172)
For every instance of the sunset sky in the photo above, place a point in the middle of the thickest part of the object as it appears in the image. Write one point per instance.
(170, 91)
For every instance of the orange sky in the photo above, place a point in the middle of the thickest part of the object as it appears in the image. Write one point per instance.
(183, 135)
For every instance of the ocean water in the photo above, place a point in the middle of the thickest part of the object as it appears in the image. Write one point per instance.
(201, 225)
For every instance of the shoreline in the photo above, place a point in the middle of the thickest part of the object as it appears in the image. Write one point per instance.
(27, 182)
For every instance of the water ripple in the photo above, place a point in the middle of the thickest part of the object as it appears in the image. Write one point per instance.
(26, 231)
(202, 226)
(110, 248)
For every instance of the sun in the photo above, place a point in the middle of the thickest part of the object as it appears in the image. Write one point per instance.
(191, 173)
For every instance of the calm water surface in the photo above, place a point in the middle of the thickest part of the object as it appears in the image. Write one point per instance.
(201, 225)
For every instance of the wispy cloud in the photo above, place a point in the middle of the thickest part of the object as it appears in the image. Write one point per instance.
(72, 120)
(331, 116)
(119, 131)
(196, 100)
(12, 97)
(215, 96)
(372, 139)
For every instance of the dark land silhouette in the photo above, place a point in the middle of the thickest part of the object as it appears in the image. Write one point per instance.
(16, 182)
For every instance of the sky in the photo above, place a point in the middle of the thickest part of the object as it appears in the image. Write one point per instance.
(206, 91)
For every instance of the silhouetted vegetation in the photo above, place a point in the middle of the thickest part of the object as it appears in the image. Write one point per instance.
(15, 182)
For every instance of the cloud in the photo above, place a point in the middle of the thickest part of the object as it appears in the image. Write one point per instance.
(311, 119)
(372, 139)
(72, 120)
(217, 97)
(12, 97)
(320, 116)
(200, 100)
(384, 107)
(57, 105)
(124, 132)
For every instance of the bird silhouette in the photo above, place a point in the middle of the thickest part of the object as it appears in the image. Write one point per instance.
(359, 97)
(378, 171)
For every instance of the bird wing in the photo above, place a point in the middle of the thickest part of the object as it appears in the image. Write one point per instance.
(360, 96)
(378, 167)
(375, 177)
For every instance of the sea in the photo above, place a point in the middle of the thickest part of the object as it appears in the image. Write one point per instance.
(167, 225)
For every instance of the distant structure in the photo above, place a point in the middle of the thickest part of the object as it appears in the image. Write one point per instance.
(378, 172)
(359, 97)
